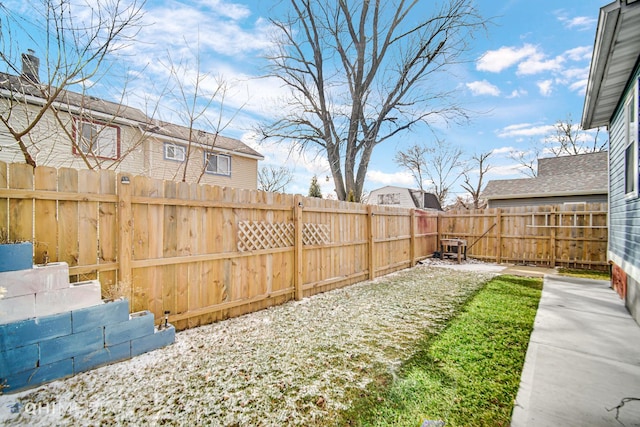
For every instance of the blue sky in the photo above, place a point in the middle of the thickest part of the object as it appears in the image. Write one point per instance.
(528, 71)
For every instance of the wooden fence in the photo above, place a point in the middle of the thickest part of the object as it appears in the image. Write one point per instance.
(572, 235)
(204, 253)
(201, 252)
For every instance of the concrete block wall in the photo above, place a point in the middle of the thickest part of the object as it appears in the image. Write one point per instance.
(42, 349)
(42, 291)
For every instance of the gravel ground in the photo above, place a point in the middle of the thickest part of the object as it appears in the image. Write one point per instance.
(296, 364)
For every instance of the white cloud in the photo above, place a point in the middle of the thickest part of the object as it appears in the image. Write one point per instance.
(537, 63)
(545, 87)
(380, 179)
(483, 88)
(524, 130)
(517, 93)
(498, 60)
(502, 150)
(580, 23)
(579, 53)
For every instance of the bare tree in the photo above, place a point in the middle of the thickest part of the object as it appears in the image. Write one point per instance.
(443, 169)
(274, 179)
(415, 161)
(78, 46)
(479, 165)
(567, 139)
(362, 72)
(198, 100)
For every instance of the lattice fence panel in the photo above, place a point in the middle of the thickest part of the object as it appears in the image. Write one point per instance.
(257, 235)
(315, 234)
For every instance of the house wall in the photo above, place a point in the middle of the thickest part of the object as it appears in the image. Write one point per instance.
(139, 155)
(244, 170)
(624, 230)
(540, 201)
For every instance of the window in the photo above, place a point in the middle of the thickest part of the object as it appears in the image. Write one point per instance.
(389, 199)
(97, 139)
(174, 152)
(631, 150)
(217, 163)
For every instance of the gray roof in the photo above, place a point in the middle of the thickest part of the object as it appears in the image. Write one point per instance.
(615, 52)
(20, 85)
(582, 174)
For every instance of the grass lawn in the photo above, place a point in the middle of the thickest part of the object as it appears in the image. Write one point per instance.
(585, 274)
(469, 374)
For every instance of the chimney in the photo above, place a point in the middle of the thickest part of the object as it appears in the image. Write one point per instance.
(30, 66)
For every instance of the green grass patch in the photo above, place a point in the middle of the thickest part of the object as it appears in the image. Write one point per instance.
(585, 274)
(469, 374)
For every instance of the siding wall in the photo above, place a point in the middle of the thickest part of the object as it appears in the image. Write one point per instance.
(624, 230)
(541, 201)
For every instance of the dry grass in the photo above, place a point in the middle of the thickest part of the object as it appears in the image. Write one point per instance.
(295, 364)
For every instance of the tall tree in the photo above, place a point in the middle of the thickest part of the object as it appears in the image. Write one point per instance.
(566, 139)
(361, 72)
(444, 169)
(414, 160)
(274, 179)
(480, 166)
(78, 42)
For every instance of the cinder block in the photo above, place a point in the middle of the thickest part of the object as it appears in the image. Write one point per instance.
(25, 332)
(71, 345)
(100, 315)
(78, 295)
(154, 341)
(18, 359)
(40, 278)
(138, 325)
(38, 376)
(101, 357)
(17, 308)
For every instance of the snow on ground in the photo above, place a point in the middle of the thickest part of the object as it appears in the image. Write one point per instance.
(294, 364)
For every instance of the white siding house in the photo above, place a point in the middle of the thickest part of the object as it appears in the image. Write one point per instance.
(611, 100)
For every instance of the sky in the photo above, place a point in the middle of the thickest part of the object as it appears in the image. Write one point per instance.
(527, 71)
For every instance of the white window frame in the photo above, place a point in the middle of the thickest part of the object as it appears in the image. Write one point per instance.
(218, 157)
(181, 149)
(105, 140)
(631, 169)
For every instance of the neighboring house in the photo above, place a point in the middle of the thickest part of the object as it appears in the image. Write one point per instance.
(611, 100)
(404, 197)
(582, 178)
(81, 131)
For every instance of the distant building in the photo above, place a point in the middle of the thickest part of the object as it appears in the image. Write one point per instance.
(404, 197)
(611, 100)
(582, 178)
(88, 132)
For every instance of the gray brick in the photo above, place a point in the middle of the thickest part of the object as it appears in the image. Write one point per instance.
(101, 357)
(25, 332)
(154, 341)
(76, 296)
(71, 345)
(100, 315)
(41, 375)
(18, 359)
(17, 308)
(38, 279)
(138, 325)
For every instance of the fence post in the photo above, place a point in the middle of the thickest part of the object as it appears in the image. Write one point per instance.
(125, 241)
(372, 267)
(297, 247)
(412, 229)
(499, 236)
(552, 244)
